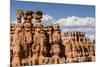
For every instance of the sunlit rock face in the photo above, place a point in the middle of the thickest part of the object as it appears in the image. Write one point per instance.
(33, 43)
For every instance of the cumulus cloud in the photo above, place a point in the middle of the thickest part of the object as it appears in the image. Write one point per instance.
(73, 23)
(84, 29)
(76, 21)
(70, 21)
(47, 19)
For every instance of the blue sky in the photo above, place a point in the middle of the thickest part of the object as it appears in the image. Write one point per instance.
(70, 17)
(55, 10)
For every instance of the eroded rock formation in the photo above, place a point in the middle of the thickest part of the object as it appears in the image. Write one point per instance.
(33, 43)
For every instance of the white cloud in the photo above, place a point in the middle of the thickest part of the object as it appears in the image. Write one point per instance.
(84, 24)
(47, 19)
(84, 29)
(76, 21)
